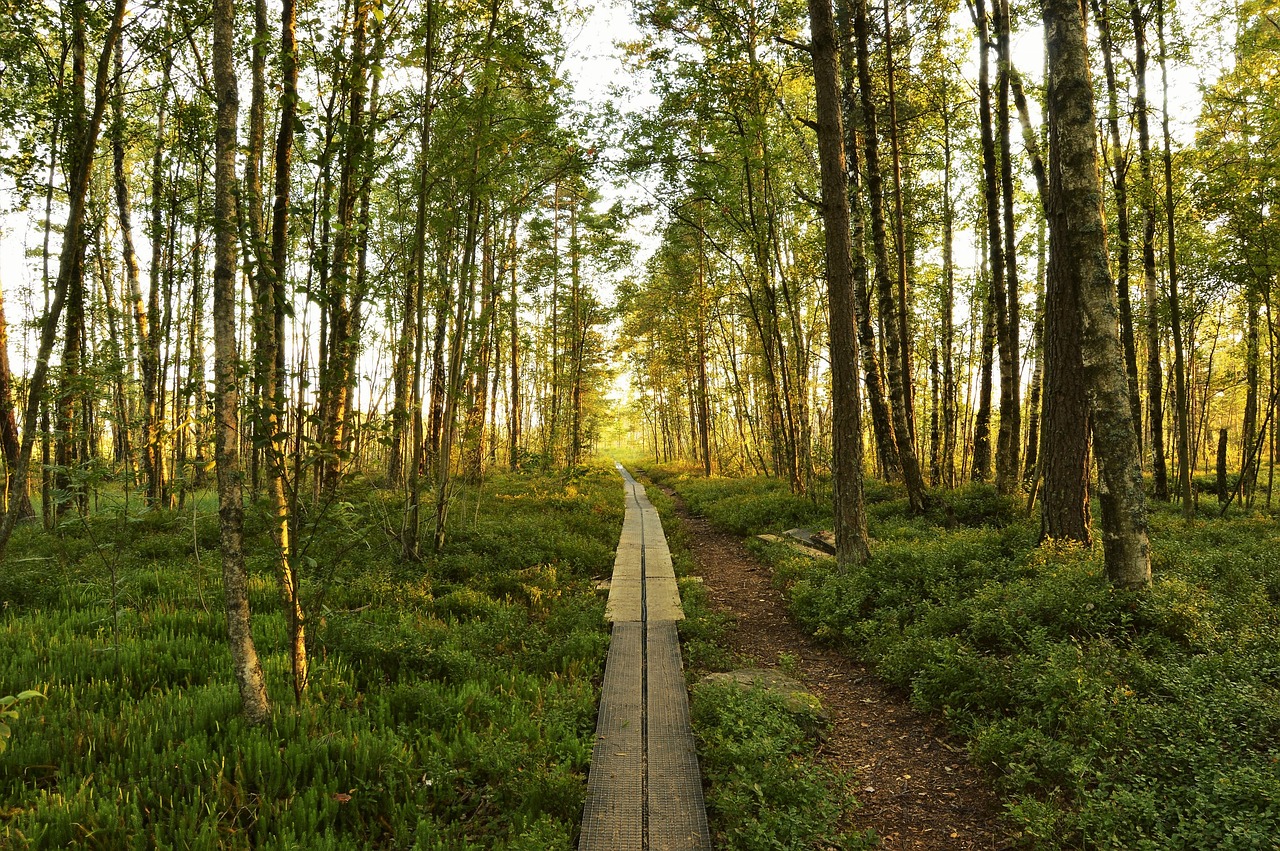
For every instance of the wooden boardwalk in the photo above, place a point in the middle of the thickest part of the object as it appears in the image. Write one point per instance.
(644, 790)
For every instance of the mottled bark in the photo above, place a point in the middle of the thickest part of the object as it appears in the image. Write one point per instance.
(846, 436)
(235, 576)
(1078, 260)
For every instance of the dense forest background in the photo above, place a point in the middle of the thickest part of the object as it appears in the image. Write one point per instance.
(418, 218)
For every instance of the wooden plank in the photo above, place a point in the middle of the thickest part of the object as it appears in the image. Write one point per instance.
(644, 789)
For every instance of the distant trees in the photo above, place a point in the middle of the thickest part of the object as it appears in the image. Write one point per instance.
(405, 267)
(1029, 310)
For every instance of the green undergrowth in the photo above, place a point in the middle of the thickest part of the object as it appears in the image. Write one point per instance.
(1108, 719)
(766, 788)
(451, 703)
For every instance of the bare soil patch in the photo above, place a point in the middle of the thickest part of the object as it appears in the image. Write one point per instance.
(916, 787)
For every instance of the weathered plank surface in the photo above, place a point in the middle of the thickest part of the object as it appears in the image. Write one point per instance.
(644, 790)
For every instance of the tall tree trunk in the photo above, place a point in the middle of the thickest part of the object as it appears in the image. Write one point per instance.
(147, 317)
(881, 418)
(235, 577)
(1078, 261)
(911, 474)
(336, 377)
(852, 547)
(272, 299)
(948, 302)
(65, 409)
(513, 391)
(1007, 463)
(1147, 197)
(1120, 184)
(704, 395)
(1181, 394)
(129, 255)
(900, 229)
(997, 298)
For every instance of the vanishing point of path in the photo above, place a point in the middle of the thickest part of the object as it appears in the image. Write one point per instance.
(644, 790)
(915, 786)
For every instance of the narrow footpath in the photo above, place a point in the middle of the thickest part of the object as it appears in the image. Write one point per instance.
(916, 787)
(644, 789)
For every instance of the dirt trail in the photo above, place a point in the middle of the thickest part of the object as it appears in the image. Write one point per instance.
(915, 786)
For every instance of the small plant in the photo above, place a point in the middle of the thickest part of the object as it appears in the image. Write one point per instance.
(9, 711)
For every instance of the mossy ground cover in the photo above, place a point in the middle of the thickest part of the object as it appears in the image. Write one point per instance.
(1107, 719)
(451, 704)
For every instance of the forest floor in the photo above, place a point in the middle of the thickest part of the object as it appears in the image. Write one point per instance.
(916, 787)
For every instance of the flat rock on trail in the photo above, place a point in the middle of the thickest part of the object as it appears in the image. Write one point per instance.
(916, 788)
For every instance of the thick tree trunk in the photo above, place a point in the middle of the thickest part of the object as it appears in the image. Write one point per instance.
(235, 576)
(1078, 260)
(846, 454)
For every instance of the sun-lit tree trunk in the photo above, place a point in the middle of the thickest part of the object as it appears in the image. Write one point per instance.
(272, 300)
(336, 376)
(235, 577)
(846, 453)
(1078, 261)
